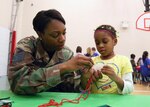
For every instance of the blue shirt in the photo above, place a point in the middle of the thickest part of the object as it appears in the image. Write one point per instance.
(145, 71)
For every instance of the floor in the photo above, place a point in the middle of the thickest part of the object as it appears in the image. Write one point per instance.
(141, 89)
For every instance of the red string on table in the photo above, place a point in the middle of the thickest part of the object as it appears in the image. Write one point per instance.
(74, 101)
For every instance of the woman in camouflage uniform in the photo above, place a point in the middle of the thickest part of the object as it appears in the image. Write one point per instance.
(45, 63)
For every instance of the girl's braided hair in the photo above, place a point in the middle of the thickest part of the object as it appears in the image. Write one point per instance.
(108, 28)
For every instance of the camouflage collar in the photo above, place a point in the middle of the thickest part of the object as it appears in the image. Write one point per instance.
(58, 57)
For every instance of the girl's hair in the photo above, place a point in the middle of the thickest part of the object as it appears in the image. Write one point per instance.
(44, 17)
(89, 51)
(108, 28)
(145, 55)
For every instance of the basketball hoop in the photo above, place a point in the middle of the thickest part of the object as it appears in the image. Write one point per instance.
(143, 22)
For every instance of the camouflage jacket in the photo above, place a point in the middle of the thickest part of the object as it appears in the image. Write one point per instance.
(32, 70)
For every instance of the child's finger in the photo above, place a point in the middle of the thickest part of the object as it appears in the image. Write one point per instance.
(96, 74)
(93, 78)
(100, 74)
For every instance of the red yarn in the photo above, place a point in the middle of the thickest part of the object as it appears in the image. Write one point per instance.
(74, 101)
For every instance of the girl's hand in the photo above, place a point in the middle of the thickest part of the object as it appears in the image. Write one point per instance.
(96, 75)
(109, 71)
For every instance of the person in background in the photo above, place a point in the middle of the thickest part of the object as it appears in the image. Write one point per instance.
(138, 68)
(139, 61)
(145, 67)
(134, 73)
(77, 73)
(89, 52)
(94, 52)
(45, 63)
(114, 75)
(79, 49)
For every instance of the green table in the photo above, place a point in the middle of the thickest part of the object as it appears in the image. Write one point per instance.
(94, 100)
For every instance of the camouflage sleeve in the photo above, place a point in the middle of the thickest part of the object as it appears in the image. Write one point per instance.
(25, 78)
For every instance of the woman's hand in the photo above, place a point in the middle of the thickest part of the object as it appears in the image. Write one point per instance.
(79, 62)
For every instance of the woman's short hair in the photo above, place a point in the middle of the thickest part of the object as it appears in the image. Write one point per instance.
(44, 17)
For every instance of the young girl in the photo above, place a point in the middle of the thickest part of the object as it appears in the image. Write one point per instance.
(116, 74)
